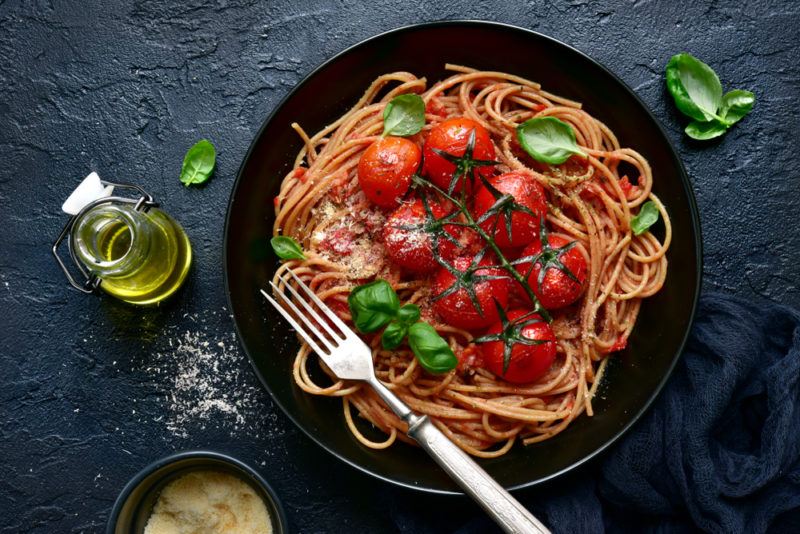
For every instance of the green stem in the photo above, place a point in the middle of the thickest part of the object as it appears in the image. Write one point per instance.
(504, 263)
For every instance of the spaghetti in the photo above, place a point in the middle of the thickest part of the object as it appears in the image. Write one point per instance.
(591, 201)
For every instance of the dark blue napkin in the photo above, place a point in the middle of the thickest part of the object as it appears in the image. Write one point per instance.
(719, 451)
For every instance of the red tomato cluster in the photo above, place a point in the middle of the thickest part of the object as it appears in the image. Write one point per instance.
(418, 239)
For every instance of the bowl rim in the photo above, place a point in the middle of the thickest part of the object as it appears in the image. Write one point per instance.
(685, 184)
(273, 503)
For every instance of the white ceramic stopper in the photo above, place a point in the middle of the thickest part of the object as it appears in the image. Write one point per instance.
(90, 189)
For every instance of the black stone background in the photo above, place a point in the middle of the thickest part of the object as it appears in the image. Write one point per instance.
(125, 88)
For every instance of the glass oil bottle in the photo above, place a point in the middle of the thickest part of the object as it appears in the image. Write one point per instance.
(126, 247)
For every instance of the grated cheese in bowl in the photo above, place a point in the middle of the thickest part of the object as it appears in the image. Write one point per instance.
(209, 502)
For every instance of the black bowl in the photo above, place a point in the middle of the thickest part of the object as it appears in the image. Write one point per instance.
(635, 375)
(135, 503)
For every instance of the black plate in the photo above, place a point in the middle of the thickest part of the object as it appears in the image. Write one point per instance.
(637, 374)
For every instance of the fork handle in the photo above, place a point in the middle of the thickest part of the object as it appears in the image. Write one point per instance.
(496, 501)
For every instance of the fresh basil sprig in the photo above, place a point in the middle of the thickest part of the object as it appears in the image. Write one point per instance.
(404, 115)
(735, 105)
(397, 330)
(408, 314)
(432, 351)
(647, 217)
(373, 305)
(548, 139)
(705, 130)
(376, 305)
(198, 163)
(697, 92)
(394, 335)
(287, 248)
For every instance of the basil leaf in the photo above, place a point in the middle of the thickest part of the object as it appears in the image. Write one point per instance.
(735, 105)
(393, 335)
(694, 86)
(404, 115)
(198, 163)
(432, 351)
(705, 130)
(548, 139)
(408, 314)
(286, 248)
(373, 305)
(647, 217)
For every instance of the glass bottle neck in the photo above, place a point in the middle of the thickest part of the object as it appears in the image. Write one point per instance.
(111, 240)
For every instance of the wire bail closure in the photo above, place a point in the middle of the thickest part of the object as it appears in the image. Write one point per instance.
(91, 281)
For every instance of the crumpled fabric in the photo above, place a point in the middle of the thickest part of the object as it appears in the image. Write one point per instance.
(719, 450)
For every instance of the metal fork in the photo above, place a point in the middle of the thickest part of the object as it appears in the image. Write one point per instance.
(351, 359)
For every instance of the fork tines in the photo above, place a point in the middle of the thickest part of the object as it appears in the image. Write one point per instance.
(308, 327)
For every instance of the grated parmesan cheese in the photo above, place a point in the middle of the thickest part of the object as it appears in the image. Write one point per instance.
(351, 240)
(209, 502)
(205, 382)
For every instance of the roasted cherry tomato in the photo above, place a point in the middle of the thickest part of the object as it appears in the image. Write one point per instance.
(564, 276)
(385, 170)
(528, 362)
(451, 137)
(408, 236)
(528, 193)
(456, 307)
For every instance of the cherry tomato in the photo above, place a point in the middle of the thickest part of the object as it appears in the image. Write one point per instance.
(385, 170)
(557, 288)
(451, 136)
(457, 308)
(528, 363)
(412, 248)
(527, 192)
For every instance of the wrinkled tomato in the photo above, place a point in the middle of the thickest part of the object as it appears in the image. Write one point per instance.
(451, 137)
(456, 308)
(528, 193)
(557, 288)
(528, 362)
(408, 236)
(385, 170)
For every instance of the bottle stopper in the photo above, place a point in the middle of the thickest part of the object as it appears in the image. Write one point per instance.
(89, 190)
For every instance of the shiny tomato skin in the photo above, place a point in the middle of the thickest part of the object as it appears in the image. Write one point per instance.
(412, 249)
(457, 309)
(528, 362)
(557, 289)
(526, 192)
(385, 170)
(451, 136)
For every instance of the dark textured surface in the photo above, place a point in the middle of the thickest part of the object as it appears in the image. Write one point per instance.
(125, 87)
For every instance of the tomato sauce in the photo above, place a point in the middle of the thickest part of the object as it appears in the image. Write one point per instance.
(619, 344)
(339, 241)
(628, 189)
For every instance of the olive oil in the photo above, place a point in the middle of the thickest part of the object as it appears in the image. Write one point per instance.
(140, 257)
(116, 242)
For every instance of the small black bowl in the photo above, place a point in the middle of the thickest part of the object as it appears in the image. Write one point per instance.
(135, 503)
